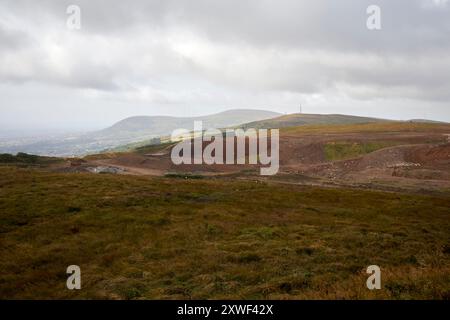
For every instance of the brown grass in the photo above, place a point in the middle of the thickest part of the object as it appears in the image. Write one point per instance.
(369, 127)
(166, 238)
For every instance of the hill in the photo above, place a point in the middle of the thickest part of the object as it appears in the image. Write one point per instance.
(131, 130)
(381, 155)
(301, 119)
(154, 126)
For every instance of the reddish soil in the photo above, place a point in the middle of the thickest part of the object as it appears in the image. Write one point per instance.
(419, 160)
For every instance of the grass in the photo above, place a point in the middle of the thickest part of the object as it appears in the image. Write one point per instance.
(134, 145)
(153, 148)
(27, 159)
(139, 148)
(165, 238)
(346, 150)
(181, 175)
(391, 126)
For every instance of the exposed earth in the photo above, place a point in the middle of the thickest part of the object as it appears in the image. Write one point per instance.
(389, 156)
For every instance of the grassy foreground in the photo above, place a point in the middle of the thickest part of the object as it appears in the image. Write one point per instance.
(165, 238)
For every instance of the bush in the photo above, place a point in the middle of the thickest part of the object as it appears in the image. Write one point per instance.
(183, 176)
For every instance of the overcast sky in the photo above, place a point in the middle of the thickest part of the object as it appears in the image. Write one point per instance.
(196, 57)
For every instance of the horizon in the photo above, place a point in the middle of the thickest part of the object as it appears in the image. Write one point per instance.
(48, 132)
(60, 71)
(279, 115)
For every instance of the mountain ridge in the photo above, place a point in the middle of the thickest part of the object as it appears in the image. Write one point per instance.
(139, 129)
(225, 118)
(130, 130)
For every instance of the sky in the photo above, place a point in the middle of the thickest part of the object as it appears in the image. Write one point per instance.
(198, 57)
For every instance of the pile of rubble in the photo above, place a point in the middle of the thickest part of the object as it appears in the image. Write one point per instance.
(105, 169)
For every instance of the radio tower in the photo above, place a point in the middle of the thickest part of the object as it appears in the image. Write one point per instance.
(300, 108)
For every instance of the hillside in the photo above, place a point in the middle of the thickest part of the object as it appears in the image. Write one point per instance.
(154, 126)
(295, 121)
(301, 119)
(382, 155)
(131, 130)
(142, 130)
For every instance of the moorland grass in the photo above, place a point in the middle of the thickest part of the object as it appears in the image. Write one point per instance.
(391, 126)
(341, 150)
(165, 238)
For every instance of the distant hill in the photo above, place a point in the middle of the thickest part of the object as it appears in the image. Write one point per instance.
(131, 130)
(426, 121)
(162, 125)
(145, 130)
(300, 119)
(291, 120)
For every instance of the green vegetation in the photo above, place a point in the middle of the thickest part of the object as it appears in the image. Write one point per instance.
(154, 142)
(183, 175)
(153, 148)
(392, 126)
(302, 119)
(138, 237)
(346, 150)
(26, 159)
(142, 147)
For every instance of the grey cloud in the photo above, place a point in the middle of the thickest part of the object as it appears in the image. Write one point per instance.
(169, 50)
